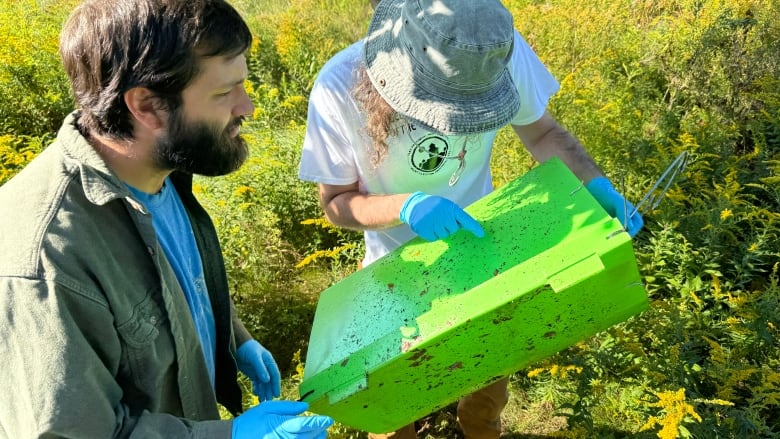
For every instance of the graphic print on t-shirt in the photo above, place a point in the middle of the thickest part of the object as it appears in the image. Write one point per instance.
(428, 153)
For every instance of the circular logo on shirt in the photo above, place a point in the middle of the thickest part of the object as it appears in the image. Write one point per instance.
(428, 153)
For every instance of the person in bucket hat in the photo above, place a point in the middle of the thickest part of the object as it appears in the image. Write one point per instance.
(400, 131)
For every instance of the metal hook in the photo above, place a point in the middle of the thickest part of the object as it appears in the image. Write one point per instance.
(651, 198)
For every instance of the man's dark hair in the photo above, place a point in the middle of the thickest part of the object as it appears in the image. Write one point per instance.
(111, 46)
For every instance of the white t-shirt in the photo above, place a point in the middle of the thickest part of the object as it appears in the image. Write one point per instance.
(336, 149)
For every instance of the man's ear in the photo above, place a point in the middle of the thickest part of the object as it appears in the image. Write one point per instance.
(145, 107)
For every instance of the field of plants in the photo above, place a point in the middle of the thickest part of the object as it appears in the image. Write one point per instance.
(641, 82)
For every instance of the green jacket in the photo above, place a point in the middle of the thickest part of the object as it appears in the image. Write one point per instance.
(96, 338)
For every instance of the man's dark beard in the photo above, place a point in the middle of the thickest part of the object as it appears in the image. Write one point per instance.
(200, 148)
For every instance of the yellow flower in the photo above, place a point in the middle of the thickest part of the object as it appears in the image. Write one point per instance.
(733, 321)
(249, 87)
(607, 106)
(716, 287)
(242, 191)
(725, 214)
(292, 102)
(311, 258)
(563, 371)
(675, 409)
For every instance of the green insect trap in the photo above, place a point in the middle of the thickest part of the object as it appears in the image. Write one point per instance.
(434, 321)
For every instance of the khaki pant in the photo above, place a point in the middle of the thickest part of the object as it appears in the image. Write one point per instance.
(479, 414)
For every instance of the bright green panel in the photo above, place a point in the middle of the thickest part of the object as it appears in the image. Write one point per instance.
(433, 321)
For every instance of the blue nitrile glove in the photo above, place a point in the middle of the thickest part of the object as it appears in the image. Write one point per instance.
(615, 204)
(258, 364)
(280, 420)
(433, 217)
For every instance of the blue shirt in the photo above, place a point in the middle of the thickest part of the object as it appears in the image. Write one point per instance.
(174, 232)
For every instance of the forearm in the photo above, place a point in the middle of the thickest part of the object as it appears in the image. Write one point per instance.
(546, 139)
(563, 145)
(357, 211)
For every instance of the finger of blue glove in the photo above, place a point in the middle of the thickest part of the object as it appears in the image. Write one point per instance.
(263, 391)
(257, 363)
(633, 223)
(274, 389)
(280, 420)
(469, 223)
(307, 426)
(433, 217)
(453, 221)
(615, 204)
(440, 226)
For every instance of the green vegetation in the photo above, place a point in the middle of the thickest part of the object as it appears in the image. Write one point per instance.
(641, 82)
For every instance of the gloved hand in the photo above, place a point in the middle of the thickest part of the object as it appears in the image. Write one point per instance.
(615, 204)
(257, 363)
(279, 420)
(433, 217)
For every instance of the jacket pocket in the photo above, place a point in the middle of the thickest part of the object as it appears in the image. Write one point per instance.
(143, 325)
(147, 355)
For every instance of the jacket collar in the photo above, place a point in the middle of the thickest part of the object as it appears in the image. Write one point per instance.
(101, 185)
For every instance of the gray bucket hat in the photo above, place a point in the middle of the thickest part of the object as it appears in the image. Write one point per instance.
(443, 63)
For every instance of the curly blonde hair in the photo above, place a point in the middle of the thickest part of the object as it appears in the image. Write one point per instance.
(379, 114)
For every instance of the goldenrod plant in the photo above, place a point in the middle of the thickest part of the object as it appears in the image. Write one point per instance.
(34, 92)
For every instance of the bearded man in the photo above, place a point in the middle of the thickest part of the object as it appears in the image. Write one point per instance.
(117, 320)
